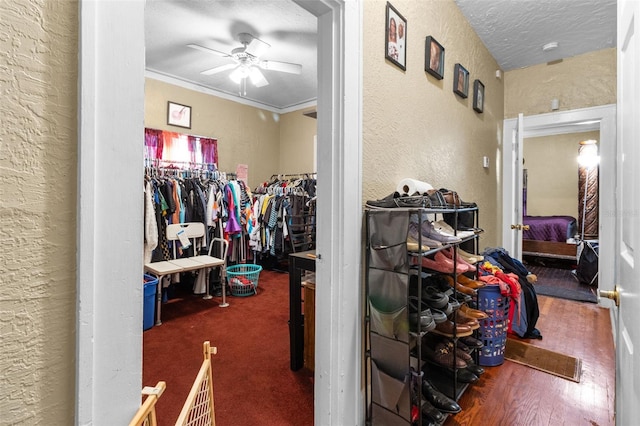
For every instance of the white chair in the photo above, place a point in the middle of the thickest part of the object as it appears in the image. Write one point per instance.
(194, 234)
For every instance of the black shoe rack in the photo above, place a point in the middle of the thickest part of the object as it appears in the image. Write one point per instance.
(395, 366)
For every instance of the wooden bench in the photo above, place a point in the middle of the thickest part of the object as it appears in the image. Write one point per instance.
(194, 233)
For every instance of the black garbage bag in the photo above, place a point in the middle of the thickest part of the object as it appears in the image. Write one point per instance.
(587, 270)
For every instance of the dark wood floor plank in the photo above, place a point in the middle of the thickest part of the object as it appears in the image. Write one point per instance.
(512, 394)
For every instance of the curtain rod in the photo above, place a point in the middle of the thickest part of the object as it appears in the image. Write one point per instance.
(157, 161)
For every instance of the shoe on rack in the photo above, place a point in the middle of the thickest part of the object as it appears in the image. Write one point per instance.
(473, 313)
(468, 282)
(459, 352)
(437, 281)
(471, 342)
(463, 298)
(459, 287)
(438, 315)
(437, 199)
(463, 375)
(442, 356)
(439, 400)
(462, 346)
(454, 199)
(423, 316)
(449, 255)
(444, 228)
(434, 298)
(473, 229)
(471, 258)
(475, 368)
(395, 199)
(450, 329)
(460, 268)
(414, 236)
(461, 319)
(414, 245)
(455, 303)
(428, 230)
(430, 414)
(439, 265)
(387, 202)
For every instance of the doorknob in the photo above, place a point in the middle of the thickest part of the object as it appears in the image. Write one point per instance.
(520, 227)
(611, 294)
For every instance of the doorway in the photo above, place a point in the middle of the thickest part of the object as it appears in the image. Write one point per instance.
(601, 119)
(109, 339)
(553, 195)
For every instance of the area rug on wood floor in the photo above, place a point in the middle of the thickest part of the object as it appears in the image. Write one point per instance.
(569, 294)
(551, 362)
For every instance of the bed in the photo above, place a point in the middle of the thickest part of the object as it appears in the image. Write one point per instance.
(549, 236)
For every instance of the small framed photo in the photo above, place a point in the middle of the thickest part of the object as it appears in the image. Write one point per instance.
(478, 96)
(434, 58)
(460, 81)
(395, 46)
(179, 115)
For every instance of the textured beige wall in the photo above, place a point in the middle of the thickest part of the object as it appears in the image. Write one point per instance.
(552, 170)
(415, 126)
(38, 59)
(296, 142)
(246, 135)
(579, 82)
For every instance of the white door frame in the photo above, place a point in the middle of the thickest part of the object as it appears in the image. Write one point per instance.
(602, 118)
(111, 120)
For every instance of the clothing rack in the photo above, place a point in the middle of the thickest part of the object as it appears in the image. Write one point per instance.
(293, 175)
(153, 167)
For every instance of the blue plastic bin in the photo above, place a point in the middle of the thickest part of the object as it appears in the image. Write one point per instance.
(493, 330)
(149, 311)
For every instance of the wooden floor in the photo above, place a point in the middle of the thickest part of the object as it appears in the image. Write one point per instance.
(513, 394)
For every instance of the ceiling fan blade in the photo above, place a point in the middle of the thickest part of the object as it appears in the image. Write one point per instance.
(257, 47)
(257, 78)
(207, 50)
(218, 69)
(281, 66)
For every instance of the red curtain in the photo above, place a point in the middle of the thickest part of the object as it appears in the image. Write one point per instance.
(168, 147)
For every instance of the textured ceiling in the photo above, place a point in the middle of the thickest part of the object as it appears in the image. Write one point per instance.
(514, 31)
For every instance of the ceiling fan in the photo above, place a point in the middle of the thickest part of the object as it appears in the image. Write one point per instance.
(247, 62)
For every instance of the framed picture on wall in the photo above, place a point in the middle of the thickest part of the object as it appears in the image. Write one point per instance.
(395, 45)
(460, 81)
(478, 96)
(434, 58)
(178, 115)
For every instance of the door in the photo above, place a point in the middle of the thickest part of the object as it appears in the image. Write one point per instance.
(627, 315)
(512, 207)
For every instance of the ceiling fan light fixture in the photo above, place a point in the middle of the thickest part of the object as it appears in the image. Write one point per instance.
(239, 74)
(255, 75)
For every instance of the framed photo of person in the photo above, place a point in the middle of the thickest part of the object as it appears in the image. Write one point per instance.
(478, 96)
(460, 81)
(395, 46)
(434, 58)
